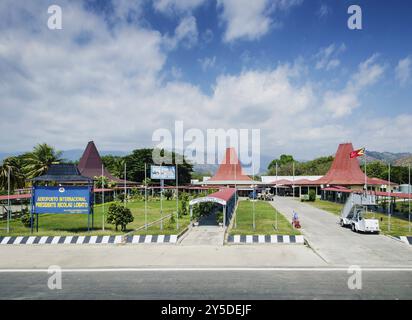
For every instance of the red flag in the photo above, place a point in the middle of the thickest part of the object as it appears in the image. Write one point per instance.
(357, 153)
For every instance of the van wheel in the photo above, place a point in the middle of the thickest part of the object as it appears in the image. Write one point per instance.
(353, 228)
(342, 224)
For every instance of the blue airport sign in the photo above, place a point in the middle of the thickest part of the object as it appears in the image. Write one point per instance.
(68, 199)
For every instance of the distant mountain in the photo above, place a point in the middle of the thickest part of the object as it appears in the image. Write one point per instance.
(404, 162)
(67, 155)
(386, 157)
(75, 154)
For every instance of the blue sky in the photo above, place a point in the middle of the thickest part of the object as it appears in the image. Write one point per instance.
(119, 70)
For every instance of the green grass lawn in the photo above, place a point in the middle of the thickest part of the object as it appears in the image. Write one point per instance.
(265, 217)
(399, 225)
(331, 207)
(76, 224)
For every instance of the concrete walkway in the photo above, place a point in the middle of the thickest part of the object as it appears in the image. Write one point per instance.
(341, 246)
(204, 236)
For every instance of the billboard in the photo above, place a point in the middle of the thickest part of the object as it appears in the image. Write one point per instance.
(163, 172)
(68, 199)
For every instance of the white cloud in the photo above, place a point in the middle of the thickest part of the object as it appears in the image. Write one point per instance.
(110, 89)
(250, 20)
(327, 57)
(207, 63)
(324, 10)
(177, 6)
(341, 103)
(186, 33)
(369, 72)
(403, 70)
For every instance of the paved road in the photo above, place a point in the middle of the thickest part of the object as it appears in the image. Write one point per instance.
(108, 256)
(341, 246)
(207, 285)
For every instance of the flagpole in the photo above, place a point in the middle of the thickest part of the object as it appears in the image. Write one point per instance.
(389, 200)
(145, 196)
(366, 177)
(409, 189)
(276, 186)
(8, 200)
(293, 185)
(102, 197)
(254, 196)
(161, 199)
(125, 189)
(177, 198)
(235, 198)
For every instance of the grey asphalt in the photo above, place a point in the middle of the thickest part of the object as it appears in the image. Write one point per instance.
(341, 246)
(208, 285)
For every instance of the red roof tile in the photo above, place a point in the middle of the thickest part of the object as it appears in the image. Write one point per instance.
(230, 169)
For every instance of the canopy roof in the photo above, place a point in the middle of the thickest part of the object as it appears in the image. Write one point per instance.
(230, 169)
(222, 196)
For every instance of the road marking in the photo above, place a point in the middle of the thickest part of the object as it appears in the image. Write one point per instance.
(68, 239)
(80, 239)
(281, 269)
(43, 240)
(148, 239)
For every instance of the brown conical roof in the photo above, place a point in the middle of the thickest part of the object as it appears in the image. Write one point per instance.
(230, 169)
(90, 164)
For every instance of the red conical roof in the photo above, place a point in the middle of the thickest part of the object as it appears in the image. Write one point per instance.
(90, 164)
(230, 169)
(346, 170)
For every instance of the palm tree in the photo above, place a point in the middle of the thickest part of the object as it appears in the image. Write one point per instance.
(36, 163)
(12, 165)
(117, 168)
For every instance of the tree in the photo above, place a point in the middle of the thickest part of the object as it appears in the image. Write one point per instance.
(168, 194)
(115, 165)
(183, 203)
(12, 165)
(136, 164)
(284, 160)
(318, 166)
(119, 216)
(37, 162)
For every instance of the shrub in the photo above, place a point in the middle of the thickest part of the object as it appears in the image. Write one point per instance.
(119, 216)
(25, 218)
(168, 194)
(184, 203)
(219, 217)
(312, 195)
